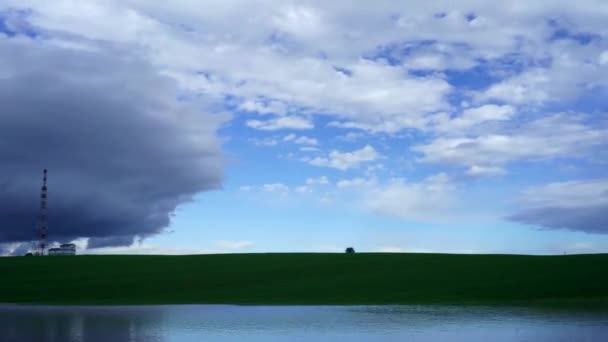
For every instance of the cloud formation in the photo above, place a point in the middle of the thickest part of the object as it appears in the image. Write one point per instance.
(122, 150)
(284, 122)
(574, 205)
(558, 135)
(346, 160)
(301, 140)
(432, 199)
(471, 86)
(226, 244)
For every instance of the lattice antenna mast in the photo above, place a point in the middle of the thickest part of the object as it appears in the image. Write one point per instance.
(42, 227)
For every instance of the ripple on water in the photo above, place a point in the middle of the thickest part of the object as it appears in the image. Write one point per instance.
(297, 323)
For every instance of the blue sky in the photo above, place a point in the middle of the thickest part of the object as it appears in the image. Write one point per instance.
(460, 127)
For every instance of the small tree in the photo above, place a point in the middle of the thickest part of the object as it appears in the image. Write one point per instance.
(350, 250)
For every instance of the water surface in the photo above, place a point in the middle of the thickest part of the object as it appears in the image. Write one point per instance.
(296, 323)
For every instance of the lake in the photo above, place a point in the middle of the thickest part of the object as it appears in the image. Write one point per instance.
(296, 323)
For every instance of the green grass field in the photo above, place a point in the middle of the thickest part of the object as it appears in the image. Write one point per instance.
(367, 278)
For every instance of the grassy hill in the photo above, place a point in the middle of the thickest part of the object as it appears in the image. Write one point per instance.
(369, 278)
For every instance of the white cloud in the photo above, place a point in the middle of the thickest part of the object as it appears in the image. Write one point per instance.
(265, 142)
(346, 160)
(571, 194)
(472, 117)
(274, 188)
(309, 149)
(214, 57)
(531, 86)
(310, 183)
(603, 60)
(222, 246)
(433, 199)
(227, 244)
(145, 249)
(282, 59)
(279, 188)
(392, 124)
(284, 122)
(355, 182)
(268, 107)
(300, 21)
(303, 189)
(391, 250)
(372, 169)
(351, 136)
(559, 135)
(574, 69)
(477, 171)
(300, 140)
(306, 141)
(321, 180)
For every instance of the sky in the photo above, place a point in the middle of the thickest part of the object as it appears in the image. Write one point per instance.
(305, 126)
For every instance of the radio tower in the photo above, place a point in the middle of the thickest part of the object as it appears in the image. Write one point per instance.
(42, 227)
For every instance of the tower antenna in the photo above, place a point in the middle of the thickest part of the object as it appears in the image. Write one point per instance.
(42, 227)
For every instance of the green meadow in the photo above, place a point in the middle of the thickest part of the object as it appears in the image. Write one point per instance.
(307, 278)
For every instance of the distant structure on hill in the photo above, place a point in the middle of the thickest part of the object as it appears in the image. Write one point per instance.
(65, 249)
(40, 248)
(350, 250)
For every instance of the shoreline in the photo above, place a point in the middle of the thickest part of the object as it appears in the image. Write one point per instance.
(583, 307)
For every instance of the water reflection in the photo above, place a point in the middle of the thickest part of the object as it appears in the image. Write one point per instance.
(48, 323)
(296, 323)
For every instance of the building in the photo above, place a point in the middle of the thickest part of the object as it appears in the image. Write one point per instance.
(65, 249)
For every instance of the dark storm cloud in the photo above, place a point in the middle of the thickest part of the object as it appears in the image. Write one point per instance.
(589, 219)
(578, 205)
(121, 151)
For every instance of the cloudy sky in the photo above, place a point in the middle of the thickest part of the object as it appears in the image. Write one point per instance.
(263, 126)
